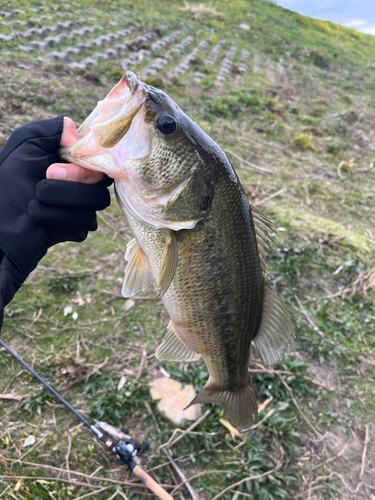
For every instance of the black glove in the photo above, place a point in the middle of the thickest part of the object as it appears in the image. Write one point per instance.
(35, 212)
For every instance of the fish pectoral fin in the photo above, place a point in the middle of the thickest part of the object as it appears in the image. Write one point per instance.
(240, 407)
(138, 274)
(174, 349)
(276, 332)
(169, 263)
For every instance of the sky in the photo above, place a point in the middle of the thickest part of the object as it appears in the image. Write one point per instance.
(357, 14)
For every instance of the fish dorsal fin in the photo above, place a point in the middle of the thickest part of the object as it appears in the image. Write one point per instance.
(174, 349)
(169, 263)
(276, 331)
(262, 225)
(138, 274)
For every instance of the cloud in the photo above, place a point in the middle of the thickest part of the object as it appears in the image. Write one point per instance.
(358, 14)
(370, 29)
(359, 25)
(355, 24)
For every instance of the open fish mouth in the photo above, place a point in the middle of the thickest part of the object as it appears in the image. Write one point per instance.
(116, 132)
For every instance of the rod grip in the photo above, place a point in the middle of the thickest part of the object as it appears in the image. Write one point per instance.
(151, 484)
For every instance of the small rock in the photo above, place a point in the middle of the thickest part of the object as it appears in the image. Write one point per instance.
(68, 310)
(29, 441)
(129, 304)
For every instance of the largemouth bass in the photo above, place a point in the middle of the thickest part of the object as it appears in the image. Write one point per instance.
(196, 236)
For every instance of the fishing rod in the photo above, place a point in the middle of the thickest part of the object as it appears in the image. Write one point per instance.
(124, 448)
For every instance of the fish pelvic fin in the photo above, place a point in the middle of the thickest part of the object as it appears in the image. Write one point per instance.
(262, 226)
(276, 332)
(174, 349)
(240, 407)
(169, 263)
(138, 274)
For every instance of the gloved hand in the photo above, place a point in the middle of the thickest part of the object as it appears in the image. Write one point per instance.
(35, 212)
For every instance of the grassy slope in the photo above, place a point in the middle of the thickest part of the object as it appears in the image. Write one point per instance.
(302, 123)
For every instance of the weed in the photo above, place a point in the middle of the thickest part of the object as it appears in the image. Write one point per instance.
(112, 405)
(333, 148)
(304, 141)
(63, 284)
(36, 402)
(318, 59)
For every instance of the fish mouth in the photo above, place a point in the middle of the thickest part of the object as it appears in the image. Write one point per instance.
(115, 132)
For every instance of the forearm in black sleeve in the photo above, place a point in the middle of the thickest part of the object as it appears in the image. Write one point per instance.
(8, 286)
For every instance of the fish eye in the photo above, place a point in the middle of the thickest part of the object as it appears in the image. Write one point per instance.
(167, 124)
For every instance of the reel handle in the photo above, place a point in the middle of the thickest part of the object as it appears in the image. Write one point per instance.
(151, 484)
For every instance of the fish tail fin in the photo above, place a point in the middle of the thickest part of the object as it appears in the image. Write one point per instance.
(240, 407)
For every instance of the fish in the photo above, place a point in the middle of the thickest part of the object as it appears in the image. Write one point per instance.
(195, 235)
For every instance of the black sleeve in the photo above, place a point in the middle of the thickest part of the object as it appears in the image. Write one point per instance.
(8, 286)
(35, 212)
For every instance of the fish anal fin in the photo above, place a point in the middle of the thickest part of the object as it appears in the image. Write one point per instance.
(173, 348)
(138, 274)
(240, 407)
(276, 332)
(169, 263)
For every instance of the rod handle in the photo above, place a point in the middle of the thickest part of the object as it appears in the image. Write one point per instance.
(151, 484)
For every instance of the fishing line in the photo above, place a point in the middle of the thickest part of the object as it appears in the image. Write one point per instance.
(124, 448)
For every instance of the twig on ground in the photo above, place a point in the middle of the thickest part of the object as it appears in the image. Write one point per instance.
(251, 478)
(255, 167)
(121, 493)
(91, 493)
(116, 295)
(67, 456)
(102, 218)
(82, 274)
(12, 380)
(142, 364)
(332, 458)
(269, 414)
(96, 471)
(11, 397)
(284, 372)
(201, 474)
(264, 200)
(31, 449)
(50, 494)
(54, 479)
(64, 471)
(190, 489)
(298, 406)
(170, 443)
(148, 408)
(367, 438)
(331, 296)
(334, 473)
(265, 403)
(308, 317)
(6, 489)
(86, 376)
(242, 494)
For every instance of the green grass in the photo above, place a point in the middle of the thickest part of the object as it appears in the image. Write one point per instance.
(312, 127)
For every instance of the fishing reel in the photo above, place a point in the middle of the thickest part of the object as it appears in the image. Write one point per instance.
(124, 448)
